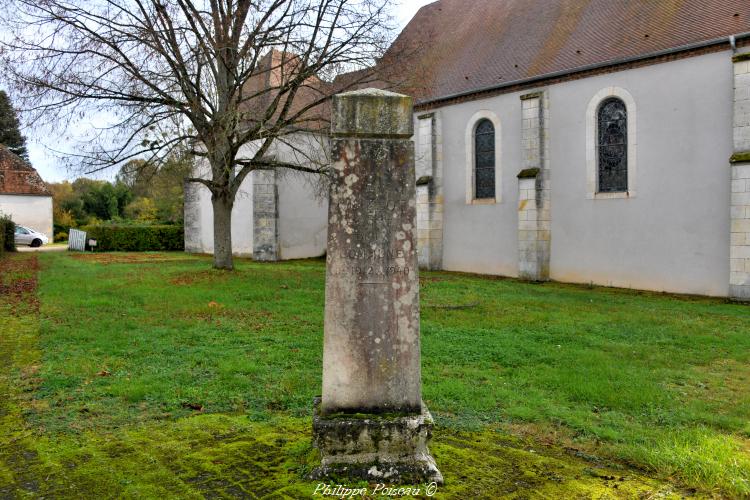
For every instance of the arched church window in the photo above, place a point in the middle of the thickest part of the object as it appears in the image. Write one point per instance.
(612, 125)
(484, 160)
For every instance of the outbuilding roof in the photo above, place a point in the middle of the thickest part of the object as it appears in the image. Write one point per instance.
(18, 177)
(462, 46)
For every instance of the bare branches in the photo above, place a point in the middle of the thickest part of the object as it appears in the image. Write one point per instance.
(236, 71)
(231, 81)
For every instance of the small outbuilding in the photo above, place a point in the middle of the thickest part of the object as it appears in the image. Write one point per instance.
(23, 194)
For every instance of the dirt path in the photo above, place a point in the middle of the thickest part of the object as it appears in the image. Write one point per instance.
(57, 247)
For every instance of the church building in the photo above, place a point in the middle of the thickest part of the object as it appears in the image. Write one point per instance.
(584, 141)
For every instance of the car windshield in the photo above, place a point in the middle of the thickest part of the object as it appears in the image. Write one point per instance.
(21, 230)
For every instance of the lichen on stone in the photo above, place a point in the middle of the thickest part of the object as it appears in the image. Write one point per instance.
(528, 173)
(740, 157)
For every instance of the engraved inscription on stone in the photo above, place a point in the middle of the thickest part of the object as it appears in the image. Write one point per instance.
(371, 353)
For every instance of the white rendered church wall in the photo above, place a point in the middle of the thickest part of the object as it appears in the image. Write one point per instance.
(302, 216)
(302, 209)
(673, 235)
(242, 220)
(481, 238)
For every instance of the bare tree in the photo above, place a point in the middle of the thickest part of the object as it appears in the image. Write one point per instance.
(220, 75)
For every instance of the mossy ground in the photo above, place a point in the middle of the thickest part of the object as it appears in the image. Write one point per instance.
(150, 375)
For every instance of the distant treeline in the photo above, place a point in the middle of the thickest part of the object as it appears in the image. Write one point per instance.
(142, 193)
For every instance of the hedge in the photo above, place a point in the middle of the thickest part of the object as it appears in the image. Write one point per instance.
(127, 238)
(7, 234)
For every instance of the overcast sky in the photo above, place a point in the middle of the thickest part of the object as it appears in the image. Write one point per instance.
(39, 140)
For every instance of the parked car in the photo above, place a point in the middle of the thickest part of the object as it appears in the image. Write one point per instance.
(28, 236)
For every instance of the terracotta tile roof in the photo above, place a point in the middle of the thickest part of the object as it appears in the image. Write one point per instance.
(462, 46)
(18, 177)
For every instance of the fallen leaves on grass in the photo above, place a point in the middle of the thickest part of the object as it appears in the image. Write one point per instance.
(129, 258)
(452, 306)
(205, 276)
(20, 289)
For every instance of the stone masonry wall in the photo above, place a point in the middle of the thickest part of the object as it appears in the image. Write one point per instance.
(429, 172)
(265, 216)
(534, 190)
(192, 216)
(739, 250)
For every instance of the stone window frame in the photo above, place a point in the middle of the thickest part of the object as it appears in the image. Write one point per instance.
(592, 167)
(471, 157)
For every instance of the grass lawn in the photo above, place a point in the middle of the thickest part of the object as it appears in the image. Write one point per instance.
(152, 375)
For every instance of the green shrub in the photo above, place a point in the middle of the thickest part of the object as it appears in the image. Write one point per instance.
(61, 236)
(7, 234)
(128, 238)
(61, 228)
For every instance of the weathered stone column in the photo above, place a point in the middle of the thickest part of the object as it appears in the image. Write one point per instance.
(265, 216)
(534, 231)
(739, 249)
(371, 422)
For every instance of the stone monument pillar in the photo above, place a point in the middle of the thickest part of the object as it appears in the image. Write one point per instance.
(370, 422)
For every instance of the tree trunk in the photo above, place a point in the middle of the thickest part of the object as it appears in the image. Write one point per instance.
(222, 205)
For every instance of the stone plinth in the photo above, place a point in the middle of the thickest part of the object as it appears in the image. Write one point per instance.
(385, 448)
(371, 355)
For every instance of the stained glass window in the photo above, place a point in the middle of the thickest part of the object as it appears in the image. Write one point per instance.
(613, 146)
(484, 160)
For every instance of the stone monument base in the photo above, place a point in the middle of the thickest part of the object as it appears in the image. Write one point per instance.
(378, 448)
